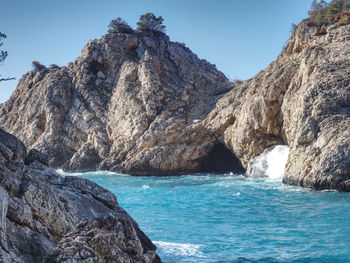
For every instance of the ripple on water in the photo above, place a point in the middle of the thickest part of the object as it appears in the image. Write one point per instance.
(229, 218)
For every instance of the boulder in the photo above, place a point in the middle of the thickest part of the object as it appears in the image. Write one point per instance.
(35, 155)
(11, 148)
(45, 217)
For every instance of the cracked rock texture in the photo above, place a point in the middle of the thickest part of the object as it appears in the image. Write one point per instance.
(130, 103)
(303, 100)
(47, 218)
(141, 104)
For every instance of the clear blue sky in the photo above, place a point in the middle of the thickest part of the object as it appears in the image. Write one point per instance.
(240, 36)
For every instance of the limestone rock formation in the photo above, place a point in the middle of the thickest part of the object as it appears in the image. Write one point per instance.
(316, 111)
(302, 100)
(47, 218)
(141, 104)
(131, 103)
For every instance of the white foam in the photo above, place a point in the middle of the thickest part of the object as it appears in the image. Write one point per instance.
(61, 172)
(270, 163)
(179, 249)
(145, 186)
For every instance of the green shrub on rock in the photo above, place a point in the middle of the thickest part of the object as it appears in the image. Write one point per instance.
(38, 66)
(119, 26)
(150, 22)
(335, 13)
(53, 66)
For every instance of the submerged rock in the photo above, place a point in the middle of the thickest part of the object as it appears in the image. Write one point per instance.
(47, 218)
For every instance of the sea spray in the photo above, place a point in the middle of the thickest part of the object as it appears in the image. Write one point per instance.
(270, 163)
(179, 249)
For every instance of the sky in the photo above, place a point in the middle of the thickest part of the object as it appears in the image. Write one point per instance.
(241, 37)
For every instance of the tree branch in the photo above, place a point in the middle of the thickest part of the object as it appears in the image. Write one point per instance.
(5, 79)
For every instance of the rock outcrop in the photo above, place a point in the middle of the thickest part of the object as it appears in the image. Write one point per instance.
(302, 100)
(141, 104)
(130, 103)
(47, 218)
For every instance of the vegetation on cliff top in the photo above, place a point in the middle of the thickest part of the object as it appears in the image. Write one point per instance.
(336, 13)
(150, 22)
(37, 65)
(147, 22)
(118, 25)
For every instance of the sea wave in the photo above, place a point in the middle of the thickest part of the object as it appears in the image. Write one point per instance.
(63, 173)
(179, 249)
(270, 164)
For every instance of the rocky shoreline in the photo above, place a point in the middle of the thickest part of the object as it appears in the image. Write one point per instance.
(141, 104)
(45, 217)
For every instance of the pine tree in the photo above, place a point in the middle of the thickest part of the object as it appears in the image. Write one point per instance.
(119, 26)
(317, 6)
(150, 22)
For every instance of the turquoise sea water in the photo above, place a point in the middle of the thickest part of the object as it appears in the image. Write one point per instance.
(229, 218)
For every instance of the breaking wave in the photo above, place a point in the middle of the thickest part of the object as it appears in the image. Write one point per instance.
(178, 249)
(270, 163)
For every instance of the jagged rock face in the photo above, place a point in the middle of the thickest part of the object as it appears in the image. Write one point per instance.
(302, 99)
(249, 118)
(316, 111)
(130, 103)
(47, 218)
(144, 105)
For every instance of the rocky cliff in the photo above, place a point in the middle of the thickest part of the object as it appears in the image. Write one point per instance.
(302, 100)
(47, 218)
(141, 104)
(130, 103)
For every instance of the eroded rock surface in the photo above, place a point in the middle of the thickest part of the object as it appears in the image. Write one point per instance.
(303, 100)
(47, 218)
(130, 103)
(316, 112)
(141, 104)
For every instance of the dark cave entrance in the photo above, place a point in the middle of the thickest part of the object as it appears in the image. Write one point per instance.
(221, 160)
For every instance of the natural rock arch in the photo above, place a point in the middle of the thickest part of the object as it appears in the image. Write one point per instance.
(221, 160)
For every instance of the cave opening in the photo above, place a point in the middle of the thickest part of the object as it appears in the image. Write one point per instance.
(221, 160)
